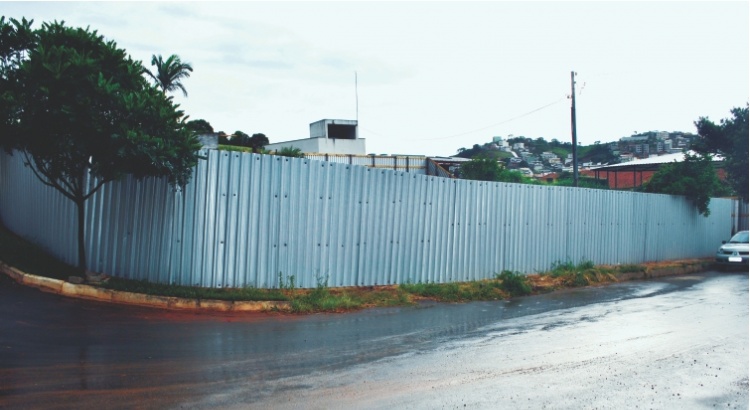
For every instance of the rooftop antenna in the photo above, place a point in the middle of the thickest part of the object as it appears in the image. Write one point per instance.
(356, 98)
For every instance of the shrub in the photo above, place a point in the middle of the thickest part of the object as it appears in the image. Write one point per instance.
(583, 274)
(321, 299)
(290, 152)
(514, 283)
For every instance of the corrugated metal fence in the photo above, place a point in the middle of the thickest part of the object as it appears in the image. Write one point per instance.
(245, 219)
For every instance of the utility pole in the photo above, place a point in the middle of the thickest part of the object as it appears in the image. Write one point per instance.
(573, 126)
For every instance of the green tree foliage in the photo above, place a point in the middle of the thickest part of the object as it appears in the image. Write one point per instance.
(598, 154)
(257, 142)
(169, 73)
(200, 127)
(487, 169)
(240, 139)
(293, 152)
(694, 178)
(481, 169)
(472, 152)
(729, 139)
(224, 138)
(566, 179)
(76, 106)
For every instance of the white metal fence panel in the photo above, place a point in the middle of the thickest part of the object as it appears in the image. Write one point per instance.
(253, 220)
(412, 164)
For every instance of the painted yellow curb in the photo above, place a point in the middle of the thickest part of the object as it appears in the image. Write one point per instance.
(89, 292)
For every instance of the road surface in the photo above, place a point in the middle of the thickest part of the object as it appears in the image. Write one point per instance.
(678, 342)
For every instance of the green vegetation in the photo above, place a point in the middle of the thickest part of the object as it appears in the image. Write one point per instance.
(200, 126)
(74, 105)
(293, 152)
(597, 154)
(514, 283)
(566, 179)
(191, 292)
(505, 284)
(583, 274)
(324, 299)
(321, 299)
(254, 143)
(486, 169)
(730, 140)
(694, 178)
(444, 292)
(169, 73)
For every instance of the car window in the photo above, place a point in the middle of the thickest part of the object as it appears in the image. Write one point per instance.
(741, 237)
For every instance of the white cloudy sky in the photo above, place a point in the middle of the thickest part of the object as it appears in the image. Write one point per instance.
(437, 76)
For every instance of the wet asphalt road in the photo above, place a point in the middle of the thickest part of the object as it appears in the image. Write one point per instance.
(677, 342)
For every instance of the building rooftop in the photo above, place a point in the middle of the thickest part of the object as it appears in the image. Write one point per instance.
(655, 160)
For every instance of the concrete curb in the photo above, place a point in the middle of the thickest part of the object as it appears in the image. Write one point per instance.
(683, 269)
(82, 291)
(89, 292)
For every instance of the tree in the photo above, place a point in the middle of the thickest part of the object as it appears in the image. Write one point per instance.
(169, 73)
(487, 169)
(730, 140)
(224, 138)
(16, 37)
(240, 139)
(694, 178)
(81, 114)
(200, 127)
(480, 169)
(257, 142)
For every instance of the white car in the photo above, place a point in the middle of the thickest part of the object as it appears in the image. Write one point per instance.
(734, 252)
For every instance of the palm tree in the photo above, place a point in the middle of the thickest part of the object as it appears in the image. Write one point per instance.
(169, 73)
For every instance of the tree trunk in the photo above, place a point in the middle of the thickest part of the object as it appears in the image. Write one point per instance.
(81, 208)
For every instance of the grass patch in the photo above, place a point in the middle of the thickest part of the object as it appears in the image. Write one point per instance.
(193, 292)
(506, 284)
(321, 299)
(583, 274)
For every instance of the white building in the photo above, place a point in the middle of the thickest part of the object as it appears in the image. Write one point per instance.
(548, 155)
(329, 137)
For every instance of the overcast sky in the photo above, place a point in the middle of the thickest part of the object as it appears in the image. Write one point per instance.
(436, 76)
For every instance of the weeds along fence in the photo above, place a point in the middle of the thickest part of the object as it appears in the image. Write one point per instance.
(247, 219)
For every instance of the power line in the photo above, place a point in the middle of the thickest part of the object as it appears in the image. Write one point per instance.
(496, 124)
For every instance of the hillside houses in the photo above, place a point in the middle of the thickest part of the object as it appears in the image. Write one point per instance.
(540, 157)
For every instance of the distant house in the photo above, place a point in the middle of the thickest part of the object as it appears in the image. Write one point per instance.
(635, 173)
(549, 178)
(548, 155)
(526, 172)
